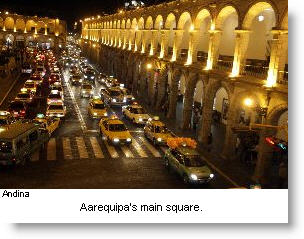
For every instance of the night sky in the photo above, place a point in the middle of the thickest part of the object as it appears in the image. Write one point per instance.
(66, 9)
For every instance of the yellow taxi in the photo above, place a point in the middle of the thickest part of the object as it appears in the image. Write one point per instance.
(156, 131)
(30, 85)
(46, 123)
(97, 109)
(114, 131)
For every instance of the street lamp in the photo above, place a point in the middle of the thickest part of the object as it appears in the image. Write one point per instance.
(248, 102)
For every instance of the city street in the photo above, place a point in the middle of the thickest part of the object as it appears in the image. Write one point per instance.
(77, 157)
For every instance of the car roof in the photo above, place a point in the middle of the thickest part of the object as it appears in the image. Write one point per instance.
(97, 101)
(187, 151)
(114, 121)
(14, 130)
(136, 106)
(157, 123)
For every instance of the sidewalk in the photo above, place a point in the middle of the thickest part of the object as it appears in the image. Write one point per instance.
(6, 83)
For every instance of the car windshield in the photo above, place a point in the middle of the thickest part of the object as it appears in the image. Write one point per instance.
(39, 69)
(29, 85)
(138, 111)
(17, 105)
(114, 93)
(99, 106)
(193, 161)
(87, 87)
(23, 95)
(56, 107)
(3, 121)
(161, 129)
(5, 147)
(117, 127)
(54, 96)
(59, 88)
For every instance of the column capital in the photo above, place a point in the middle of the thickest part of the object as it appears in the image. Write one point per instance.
(237, 30)
(279, 31)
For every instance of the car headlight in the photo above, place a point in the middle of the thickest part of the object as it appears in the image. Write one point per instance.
(80, 80)
(83, 92)
(140, 119)
(211, 175)
(128, 139)
(133, 98)
(159, 139)
(95, 114)
(124, 100)
(85, 77)
(116, 140)
(92, 77)
(114, 100)
(105, 114)
(193, 177)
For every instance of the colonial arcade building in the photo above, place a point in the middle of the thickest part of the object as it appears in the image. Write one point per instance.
(229, 57)
(19, 30)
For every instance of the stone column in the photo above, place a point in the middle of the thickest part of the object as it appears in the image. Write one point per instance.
(278, 55)
(206, 123)
(213, 49)
(192, 49)
(173, 95)
(152, 41)
(163, 44)
(188, 101)
(176, 44)
(241, 45)
(230, 137)
(161, 88)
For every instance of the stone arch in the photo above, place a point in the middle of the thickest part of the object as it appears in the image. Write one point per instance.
(111, 24)
(260, 19)
(170, 22)
(199, 92)
(134, 24)
(227, 20)
(30, 25)
(149, 23)
(128, 24)
(40, 27)
(123, 24)
(254, 9)
(183, 19)
(202, 24)
(115, 24)
(118, 24)
(275, 113)
(9, 23)
(159, 22)
(224, 13)
(284, 22)
(20, 24)
(141, 23)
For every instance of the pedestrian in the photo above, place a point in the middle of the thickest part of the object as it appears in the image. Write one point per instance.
(195, 120)
(237, 144)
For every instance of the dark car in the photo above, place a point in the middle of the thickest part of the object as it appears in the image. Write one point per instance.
(18, 109)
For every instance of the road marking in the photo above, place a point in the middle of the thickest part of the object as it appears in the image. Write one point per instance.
(139, 150)
(67, 150)
(83, 153)
(96, 148)
(51, 149)
(150, 147)
(127, 152)
(79, 115)
(111, 150)
(221, 173)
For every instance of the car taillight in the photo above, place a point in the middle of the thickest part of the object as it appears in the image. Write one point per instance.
(23, 111)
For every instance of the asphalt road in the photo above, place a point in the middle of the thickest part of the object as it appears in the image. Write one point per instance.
(77, 157)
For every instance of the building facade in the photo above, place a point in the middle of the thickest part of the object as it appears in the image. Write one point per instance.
(229, 57)
(31, 30)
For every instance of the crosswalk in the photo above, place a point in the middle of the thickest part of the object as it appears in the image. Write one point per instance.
(93, 147)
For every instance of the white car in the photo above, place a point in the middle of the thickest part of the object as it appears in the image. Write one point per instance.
(87, 90)
(127, 95)
(57, 110)
(136, 113)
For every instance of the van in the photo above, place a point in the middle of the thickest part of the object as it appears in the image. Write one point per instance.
(18, 141)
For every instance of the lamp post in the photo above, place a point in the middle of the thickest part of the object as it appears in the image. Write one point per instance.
(248, 103)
